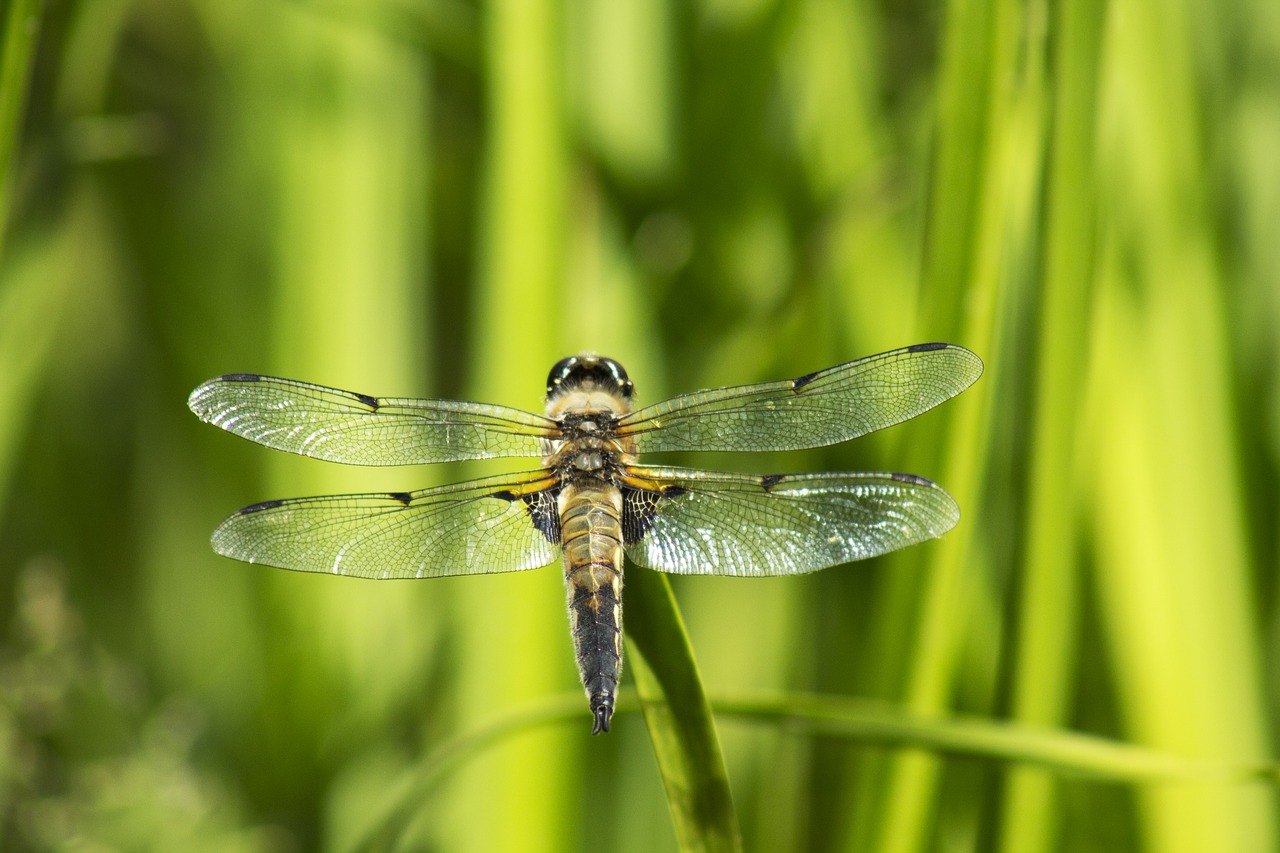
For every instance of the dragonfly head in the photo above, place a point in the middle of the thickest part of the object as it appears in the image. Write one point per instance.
(588, 372)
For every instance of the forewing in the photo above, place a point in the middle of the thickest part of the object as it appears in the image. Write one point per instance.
(825, 407)
(693, 522)
(499, 524)
(342, 426)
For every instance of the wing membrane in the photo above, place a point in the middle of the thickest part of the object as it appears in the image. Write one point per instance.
(498, 524)
(695, 522)
(342, 426)
(826, 407)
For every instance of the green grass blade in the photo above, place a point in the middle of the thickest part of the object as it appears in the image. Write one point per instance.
(29, 307)
(1048, 613)
(21, 29)
(680, 725)
(1055, 750)
(977, 189)
(1177, 574)
(520, 268)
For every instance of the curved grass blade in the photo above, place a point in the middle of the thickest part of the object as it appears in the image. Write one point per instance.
(439, 762)
(1057, 750)
(675, 709)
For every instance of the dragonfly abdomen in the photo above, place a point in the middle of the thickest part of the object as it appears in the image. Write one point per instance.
(591, 530)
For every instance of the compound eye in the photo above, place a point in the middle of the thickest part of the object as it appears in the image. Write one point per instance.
(619, 376)
(561, 369)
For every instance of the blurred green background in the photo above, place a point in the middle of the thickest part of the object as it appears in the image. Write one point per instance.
(440, 198)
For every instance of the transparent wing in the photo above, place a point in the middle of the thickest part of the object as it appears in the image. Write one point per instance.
(342, 426)
(826, 407)
(693, 522)
(499, 524)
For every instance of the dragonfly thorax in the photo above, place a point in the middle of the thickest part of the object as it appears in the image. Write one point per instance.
(589, 460)
(588, 443)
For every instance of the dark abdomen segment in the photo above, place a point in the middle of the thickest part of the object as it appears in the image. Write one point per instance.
(591, 531)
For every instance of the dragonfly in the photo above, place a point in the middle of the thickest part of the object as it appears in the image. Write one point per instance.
(591, 501)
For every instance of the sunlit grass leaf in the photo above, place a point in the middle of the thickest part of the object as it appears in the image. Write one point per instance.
(1049, 611)
(1057, 750)
(675, 708)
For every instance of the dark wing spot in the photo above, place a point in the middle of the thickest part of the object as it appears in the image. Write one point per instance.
(401, 497)
(260, 507)
(912, 478)
(543, 511)
(927, 347)
(371, 402)
(771, 480)
(640, 507)
(241, 377)
(800, 381)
